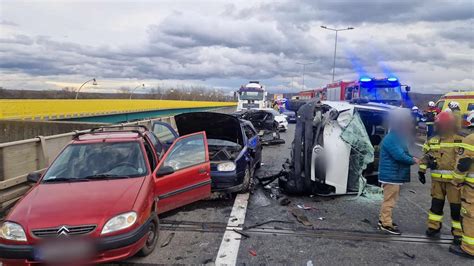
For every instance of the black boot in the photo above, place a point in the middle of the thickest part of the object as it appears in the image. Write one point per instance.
(458, 251)
(433, 232)
(457, 240)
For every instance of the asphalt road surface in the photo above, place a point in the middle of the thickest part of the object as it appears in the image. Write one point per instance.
(342, 229)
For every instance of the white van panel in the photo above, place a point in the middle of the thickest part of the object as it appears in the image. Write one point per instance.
(337, 154)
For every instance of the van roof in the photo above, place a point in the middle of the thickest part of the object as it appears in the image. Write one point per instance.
(459, 95)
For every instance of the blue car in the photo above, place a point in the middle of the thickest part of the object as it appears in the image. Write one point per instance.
(290, 116)
(234, 146)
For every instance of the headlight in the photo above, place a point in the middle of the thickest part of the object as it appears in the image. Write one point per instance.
(226, 167)
(12, 231)
(119, 222)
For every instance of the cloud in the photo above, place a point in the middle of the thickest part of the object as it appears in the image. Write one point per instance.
(5, 22)
(262, 41)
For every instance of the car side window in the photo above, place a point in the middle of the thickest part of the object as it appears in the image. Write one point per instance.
(150, 155)
(154, 141)
(249, 132)
(163, 133)
(186, 152)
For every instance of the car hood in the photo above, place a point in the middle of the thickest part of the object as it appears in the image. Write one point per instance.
(77, 203)
(216, 125)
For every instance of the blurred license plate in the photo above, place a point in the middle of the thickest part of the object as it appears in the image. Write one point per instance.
(64, 250)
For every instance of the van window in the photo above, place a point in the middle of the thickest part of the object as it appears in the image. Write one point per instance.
(470, 107)
(440, 105)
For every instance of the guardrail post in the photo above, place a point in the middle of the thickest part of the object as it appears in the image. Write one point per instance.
(43, 160)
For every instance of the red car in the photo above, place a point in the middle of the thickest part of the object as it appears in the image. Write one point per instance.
(99, 200)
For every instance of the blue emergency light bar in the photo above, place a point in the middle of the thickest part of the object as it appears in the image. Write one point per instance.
(392, 79)
(365, 79)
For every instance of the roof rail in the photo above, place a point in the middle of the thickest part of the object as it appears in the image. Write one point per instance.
(139, 129)
(134, 127)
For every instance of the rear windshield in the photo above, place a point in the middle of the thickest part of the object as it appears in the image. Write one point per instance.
(98, 160)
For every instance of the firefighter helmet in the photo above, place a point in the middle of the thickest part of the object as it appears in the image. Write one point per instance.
(431, 104)
(453, 106)
(414, 108)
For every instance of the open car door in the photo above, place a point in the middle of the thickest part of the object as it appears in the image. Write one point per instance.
(165, 134)
(183, 175)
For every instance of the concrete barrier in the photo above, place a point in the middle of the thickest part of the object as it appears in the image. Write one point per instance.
(19, 158)
(13, 130)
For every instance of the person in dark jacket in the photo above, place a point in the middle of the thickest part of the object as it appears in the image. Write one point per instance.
(394, 165)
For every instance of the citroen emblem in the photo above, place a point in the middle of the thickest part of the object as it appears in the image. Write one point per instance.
(63, 231)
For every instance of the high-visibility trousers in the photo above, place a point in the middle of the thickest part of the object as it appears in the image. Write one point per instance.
(467, 213)
(439, 191)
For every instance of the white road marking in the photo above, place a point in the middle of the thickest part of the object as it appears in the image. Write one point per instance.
(229, 249)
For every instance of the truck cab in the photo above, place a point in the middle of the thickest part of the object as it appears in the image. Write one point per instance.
(251, 96)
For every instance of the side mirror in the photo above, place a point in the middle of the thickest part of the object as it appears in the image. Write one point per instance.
(33, 177)
(164, 170)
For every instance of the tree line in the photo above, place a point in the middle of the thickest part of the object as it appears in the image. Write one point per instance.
(184, 93)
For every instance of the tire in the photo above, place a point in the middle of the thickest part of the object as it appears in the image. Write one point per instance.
(247, 179)
(152, 240)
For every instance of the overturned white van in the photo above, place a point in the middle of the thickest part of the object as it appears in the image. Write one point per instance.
(335, 148)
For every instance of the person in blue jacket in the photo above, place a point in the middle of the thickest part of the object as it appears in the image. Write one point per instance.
(394, 165)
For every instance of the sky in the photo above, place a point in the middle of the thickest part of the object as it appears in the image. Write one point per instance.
(224, 44)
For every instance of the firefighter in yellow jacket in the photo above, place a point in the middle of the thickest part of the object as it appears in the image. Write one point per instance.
(464, 175)
(440, 157)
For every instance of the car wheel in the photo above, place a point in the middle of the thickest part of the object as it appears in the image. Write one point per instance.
(153, 236)
(247, 179)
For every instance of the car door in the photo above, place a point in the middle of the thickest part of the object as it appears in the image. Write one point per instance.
(253, 143)
(165, 133)
(183, 175)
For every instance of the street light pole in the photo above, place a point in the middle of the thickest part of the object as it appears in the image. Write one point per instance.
(335, 47)
(94, 82)
(142, 85)
(304, 68)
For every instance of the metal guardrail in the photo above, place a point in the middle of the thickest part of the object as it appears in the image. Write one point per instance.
(19, 158)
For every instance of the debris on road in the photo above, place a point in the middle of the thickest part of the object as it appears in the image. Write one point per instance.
(365, 220)
(266, 180)
(260, 199)
(411, 256)
(267, 222)
(304, 207)
(252, 252)
(412, 191)
(284, 201)
(321, 218)
(301, 217)
(241, 233)
(167, 240)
